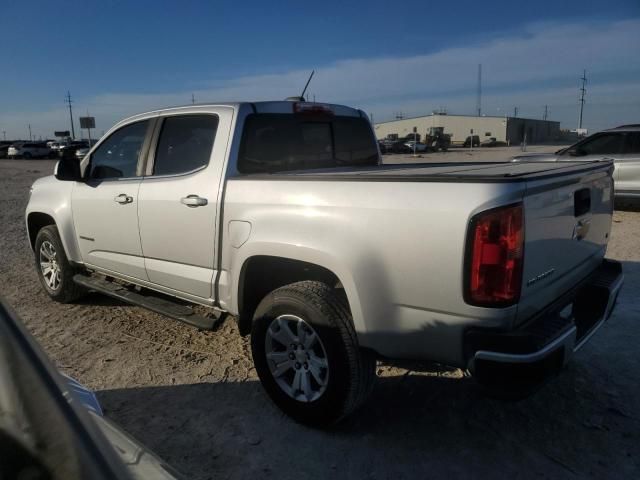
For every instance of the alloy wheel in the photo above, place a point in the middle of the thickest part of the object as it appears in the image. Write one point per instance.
(49, 266)
(297, 358)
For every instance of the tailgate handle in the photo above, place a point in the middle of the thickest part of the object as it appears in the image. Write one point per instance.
(581, 202)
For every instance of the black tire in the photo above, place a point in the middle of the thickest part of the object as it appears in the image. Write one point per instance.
(351, 370)
(66, 290)
(26, 156)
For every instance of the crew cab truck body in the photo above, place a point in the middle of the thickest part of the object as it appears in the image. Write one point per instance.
(280, 214)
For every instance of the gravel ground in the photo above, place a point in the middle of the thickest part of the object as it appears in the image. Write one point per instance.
(193, 397)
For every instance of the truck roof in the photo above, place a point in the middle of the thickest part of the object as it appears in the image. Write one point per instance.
(276, 106)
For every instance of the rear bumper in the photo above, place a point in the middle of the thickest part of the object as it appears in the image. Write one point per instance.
(527, 356)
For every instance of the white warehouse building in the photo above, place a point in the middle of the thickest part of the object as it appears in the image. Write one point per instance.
(505, 129)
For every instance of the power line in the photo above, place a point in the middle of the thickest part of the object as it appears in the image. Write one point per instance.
(68, 100)
(583, 91)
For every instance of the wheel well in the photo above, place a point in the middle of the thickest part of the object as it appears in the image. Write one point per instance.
(35, 222)
(263, 274)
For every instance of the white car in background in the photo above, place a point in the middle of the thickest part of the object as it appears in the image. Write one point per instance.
(29, 150)
(620, 144)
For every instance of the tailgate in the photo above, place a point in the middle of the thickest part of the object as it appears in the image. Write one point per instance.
(567, 226)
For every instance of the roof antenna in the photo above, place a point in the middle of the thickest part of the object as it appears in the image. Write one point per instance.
(301, 97)
(307, 84)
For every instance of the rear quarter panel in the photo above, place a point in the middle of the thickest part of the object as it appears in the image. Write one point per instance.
(397, 248)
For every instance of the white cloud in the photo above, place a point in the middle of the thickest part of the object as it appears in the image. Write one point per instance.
(528, 70)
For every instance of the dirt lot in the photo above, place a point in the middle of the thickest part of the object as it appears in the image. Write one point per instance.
(193, 396)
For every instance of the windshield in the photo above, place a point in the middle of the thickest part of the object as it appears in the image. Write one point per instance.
(284, 142)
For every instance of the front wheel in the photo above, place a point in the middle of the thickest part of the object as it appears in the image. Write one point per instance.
(54, 270)
(306, 354)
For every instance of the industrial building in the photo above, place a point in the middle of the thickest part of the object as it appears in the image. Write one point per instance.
(505, 129)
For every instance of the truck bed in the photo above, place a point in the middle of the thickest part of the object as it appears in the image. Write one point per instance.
(443, 172)
(398, 245)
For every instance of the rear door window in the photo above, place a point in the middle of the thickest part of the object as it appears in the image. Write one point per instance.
(185, 144)
(285, 142)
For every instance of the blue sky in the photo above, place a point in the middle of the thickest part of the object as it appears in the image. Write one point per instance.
(122, 57)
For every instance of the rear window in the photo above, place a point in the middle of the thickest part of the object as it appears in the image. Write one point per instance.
(282, 142)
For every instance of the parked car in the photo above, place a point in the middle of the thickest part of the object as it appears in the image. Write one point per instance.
(29, 150)
(52, 427)
(68, 150)
(476, 141)
(81, 152)
(401, 146)
(329, 259)
(493, 142)
(4, 147)
(621, 144)
(420, 147)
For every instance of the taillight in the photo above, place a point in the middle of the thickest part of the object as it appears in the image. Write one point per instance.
(494, 256)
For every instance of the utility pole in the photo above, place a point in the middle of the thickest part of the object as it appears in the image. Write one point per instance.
(479, 91)
(193, 98)
(30, 137)
(546, 111)
(89, 131)
(515, 112)
(4, 134)
(583, 90)
(68, 100)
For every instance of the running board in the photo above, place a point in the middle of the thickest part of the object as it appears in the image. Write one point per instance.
(161, 305)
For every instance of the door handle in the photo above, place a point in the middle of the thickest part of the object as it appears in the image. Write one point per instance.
(123, 198)
(194, 201)
(581, 229)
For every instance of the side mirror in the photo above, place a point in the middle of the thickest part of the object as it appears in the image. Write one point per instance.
(68, 170)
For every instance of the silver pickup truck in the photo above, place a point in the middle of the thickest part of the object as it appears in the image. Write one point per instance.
(281, 214)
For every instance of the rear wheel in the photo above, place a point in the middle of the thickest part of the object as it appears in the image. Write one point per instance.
(307, 356)
(26, 155)
(54, 270)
